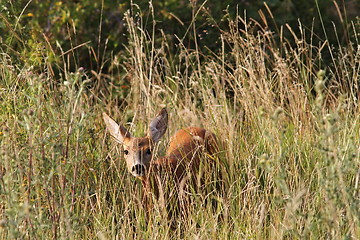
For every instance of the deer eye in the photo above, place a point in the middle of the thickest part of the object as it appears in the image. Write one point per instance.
(126, 152)
(148, 151)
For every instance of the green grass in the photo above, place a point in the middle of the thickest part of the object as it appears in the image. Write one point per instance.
(290, 126)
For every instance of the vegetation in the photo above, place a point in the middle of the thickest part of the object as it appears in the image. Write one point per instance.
(283, 101)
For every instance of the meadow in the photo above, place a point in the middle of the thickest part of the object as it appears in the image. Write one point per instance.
(283, 103)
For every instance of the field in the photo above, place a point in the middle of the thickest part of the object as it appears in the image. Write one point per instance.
(285, 108)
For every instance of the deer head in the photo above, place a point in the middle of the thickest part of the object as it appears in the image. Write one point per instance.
(138, 151)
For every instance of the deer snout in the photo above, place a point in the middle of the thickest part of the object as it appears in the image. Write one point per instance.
(138, 170)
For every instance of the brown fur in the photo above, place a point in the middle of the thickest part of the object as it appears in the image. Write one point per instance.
(186, 149)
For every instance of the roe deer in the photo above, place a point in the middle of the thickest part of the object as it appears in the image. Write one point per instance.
(186, 150)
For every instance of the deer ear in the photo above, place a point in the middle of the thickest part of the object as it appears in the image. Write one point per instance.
(117, 131)
(158, 125)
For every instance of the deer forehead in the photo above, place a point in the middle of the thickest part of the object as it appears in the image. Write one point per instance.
(137, 144)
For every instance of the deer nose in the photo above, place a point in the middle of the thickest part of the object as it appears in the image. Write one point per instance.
(138, 170)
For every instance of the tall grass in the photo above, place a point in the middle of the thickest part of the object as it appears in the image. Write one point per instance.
(289, 124)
